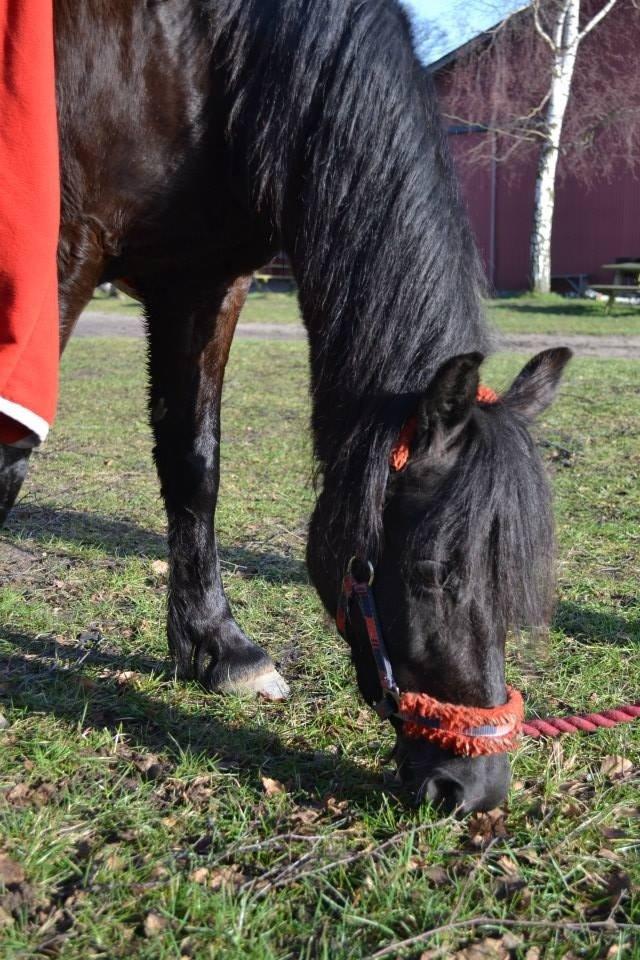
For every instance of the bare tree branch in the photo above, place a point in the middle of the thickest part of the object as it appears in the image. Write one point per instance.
(595, 20)
(538, 25)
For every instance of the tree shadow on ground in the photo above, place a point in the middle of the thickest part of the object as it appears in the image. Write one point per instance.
(43, 678)
(124, 538)
(589, 626)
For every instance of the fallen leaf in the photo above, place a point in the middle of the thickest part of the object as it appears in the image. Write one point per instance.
(508, 887)
(488, 949)
(613, 833)
(149, 765)
(11, 873)
(6, 920)
(123, 677)
(572, 809)
(485, 827)
(42, 793)
(606, 900)
(615, 767)
(225, 876)
(606, 854)
(19, 795)
(305, 816)
(114, 861)
(272, 787)
(4, 723)
(160, 568)
(154, 924)
(201, 875)
(507, 866)
(511, 941)
(336, 807)
(533, 953)
(434, 874)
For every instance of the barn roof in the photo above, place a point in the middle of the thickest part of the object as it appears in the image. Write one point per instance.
(468, 45)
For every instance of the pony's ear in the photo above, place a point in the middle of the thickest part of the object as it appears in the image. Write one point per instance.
(536, 385)
(452, 392)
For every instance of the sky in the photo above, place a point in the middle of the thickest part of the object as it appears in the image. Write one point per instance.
(462, 19)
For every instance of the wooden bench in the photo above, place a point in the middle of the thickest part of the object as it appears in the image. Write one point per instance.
(611, 289)
(278, 268)
(578, 282)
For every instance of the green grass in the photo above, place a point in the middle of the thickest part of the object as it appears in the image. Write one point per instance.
(556, 314)
(136, 805)
(523, 314)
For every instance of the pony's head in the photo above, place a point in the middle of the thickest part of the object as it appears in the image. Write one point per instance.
(467, 554)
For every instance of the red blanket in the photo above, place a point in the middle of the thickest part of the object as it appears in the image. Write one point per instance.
(29, 216)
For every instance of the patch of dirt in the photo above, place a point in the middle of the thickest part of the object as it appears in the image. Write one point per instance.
(624, 348)
(15, 563)
(115, 325)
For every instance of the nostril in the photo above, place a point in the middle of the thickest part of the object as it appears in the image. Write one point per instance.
(445, 791)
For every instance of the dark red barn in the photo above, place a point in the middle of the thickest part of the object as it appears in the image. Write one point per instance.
(597, 217)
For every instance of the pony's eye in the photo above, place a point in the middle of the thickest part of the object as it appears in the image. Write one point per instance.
(435, 575)
(430, 574)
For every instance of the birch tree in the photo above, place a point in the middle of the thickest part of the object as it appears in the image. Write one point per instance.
(548, 82)
(563, 41)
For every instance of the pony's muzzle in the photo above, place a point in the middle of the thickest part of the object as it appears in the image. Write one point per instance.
(454, 784)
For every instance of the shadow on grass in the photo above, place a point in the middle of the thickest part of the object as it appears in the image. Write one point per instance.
(596, 626)
(46, 678)
(124, 538)
(568, 308)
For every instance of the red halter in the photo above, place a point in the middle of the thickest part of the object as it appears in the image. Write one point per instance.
(401, 450)
(466, 731)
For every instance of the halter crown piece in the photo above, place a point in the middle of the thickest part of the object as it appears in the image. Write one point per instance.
(466, 731)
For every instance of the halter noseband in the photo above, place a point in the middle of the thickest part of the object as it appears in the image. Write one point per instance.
(466, 731)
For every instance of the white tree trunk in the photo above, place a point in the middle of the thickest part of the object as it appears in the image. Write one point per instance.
(566, 40)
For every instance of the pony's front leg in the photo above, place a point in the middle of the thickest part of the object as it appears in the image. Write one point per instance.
(188, 354)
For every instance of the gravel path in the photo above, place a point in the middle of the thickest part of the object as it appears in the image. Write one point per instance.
(116, 325)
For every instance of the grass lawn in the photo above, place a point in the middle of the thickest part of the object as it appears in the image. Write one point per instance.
(144, 818)
(556, 314)
(524, 314)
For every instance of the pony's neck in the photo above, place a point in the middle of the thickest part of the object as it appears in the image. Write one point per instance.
(351, 166)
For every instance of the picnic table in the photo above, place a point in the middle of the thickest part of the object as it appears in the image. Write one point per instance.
(626, 279)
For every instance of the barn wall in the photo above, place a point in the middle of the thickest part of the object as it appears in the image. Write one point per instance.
(594, 223)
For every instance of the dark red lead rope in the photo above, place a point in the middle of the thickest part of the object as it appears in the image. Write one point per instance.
(537, 727)
(581, 723)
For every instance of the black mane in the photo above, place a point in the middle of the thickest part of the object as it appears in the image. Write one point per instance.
(494, 520)
(349, 163)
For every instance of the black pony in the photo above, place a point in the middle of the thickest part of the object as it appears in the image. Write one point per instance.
(197, 138)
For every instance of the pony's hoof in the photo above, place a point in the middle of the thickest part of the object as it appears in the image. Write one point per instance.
(269, 685)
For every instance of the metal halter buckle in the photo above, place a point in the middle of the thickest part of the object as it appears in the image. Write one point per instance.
(355, 559)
